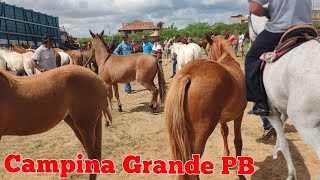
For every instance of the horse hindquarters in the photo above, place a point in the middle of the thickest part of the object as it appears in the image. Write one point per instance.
(176, 120)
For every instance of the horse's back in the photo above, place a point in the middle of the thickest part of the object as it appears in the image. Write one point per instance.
(294, 74)
(213, 87)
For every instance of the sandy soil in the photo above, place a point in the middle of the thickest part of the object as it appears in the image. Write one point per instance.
(136, 131)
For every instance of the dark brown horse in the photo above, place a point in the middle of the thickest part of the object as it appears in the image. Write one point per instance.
(201, 95)
(116, 69)
(35, 104)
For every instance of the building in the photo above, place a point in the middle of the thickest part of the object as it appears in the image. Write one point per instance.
(316, 16)
(137, 26)
(239, 19)
(23, 26)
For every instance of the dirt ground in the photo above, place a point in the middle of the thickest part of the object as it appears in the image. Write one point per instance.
(138, 132)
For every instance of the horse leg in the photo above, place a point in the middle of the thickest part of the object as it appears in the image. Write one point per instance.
(282, 143)
(224, 132)
(154, 91)
(201, 134)
(116, 92)
(238, 139)
(69, 121)
(88, 132)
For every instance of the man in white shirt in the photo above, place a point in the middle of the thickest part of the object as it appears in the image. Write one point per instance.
(43, 58)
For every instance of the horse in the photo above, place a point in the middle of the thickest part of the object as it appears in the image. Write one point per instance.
(21, 50)
(20, 63)
(27, 105)
(186, 53)
(201, 95)
(137, 48)
(127, 68)
(292, 87)
(65, 57)
(202, 43)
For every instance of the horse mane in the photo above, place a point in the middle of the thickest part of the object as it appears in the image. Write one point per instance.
(105, 44)
(222, 46)
(12, 80)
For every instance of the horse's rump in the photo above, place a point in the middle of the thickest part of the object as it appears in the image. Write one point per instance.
(47, 98)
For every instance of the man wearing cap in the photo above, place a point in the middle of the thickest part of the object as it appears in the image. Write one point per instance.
(146, 45)
(43, 58)
(125, 48)
(157, 47)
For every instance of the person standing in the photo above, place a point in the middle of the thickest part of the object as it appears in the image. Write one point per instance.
(113, 45)
(241, 43)
(43, 58)
(146, 45)
(125, 48)
(157, 47)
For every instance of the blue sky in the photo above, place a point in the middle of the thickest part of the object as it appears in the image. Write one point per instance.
(78, 16)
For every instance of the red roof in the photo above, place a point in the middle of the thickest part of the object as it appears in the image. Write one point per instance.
(138, 25)
(241, 17)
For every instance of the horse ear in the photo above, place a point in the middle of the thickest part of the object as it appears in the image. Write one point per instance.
(92, 34)
(208, 38)
(101, 34)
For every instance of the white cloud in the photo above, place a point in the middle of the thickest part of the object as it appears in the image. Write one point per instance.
(78, 16)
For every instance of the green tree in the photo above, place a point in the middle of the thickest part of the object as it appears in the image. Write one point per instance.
(160, 25)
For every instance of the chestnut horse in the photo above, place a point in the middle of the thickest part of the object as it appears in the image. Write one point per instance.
(201, 95)
(127, 68)
(35, 104)
(138, 48)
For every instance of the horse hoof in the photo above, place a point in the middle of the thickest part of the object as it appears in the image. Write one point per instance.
(107, 123)
(120, 109)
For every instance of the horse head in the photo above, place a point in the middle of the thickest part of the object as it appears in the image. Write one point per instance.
(97, 41)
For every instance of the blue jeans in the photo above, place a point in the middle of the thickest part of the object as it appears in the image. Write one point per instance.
(266, 123)
(127, 87)
(174, 65)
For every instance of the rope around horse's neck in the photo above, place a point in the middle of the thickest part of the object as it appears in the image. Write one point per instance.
(90, 57)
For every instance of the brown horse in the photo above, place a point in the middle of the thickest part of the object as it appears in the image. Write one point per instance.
(20, 49)
(76, 55)
(203, 94)
(138, 48)
(127, 68)
(35, 104)
(202, 43)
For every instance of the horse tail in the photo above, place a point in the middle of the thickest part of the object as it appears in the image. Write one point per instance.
(161, 82)
(177, 117)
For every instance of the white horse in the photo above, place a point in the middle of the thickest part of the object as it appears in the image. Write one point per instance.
(20, 63)
(65, 58)
(186, 53)
(293, 89)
